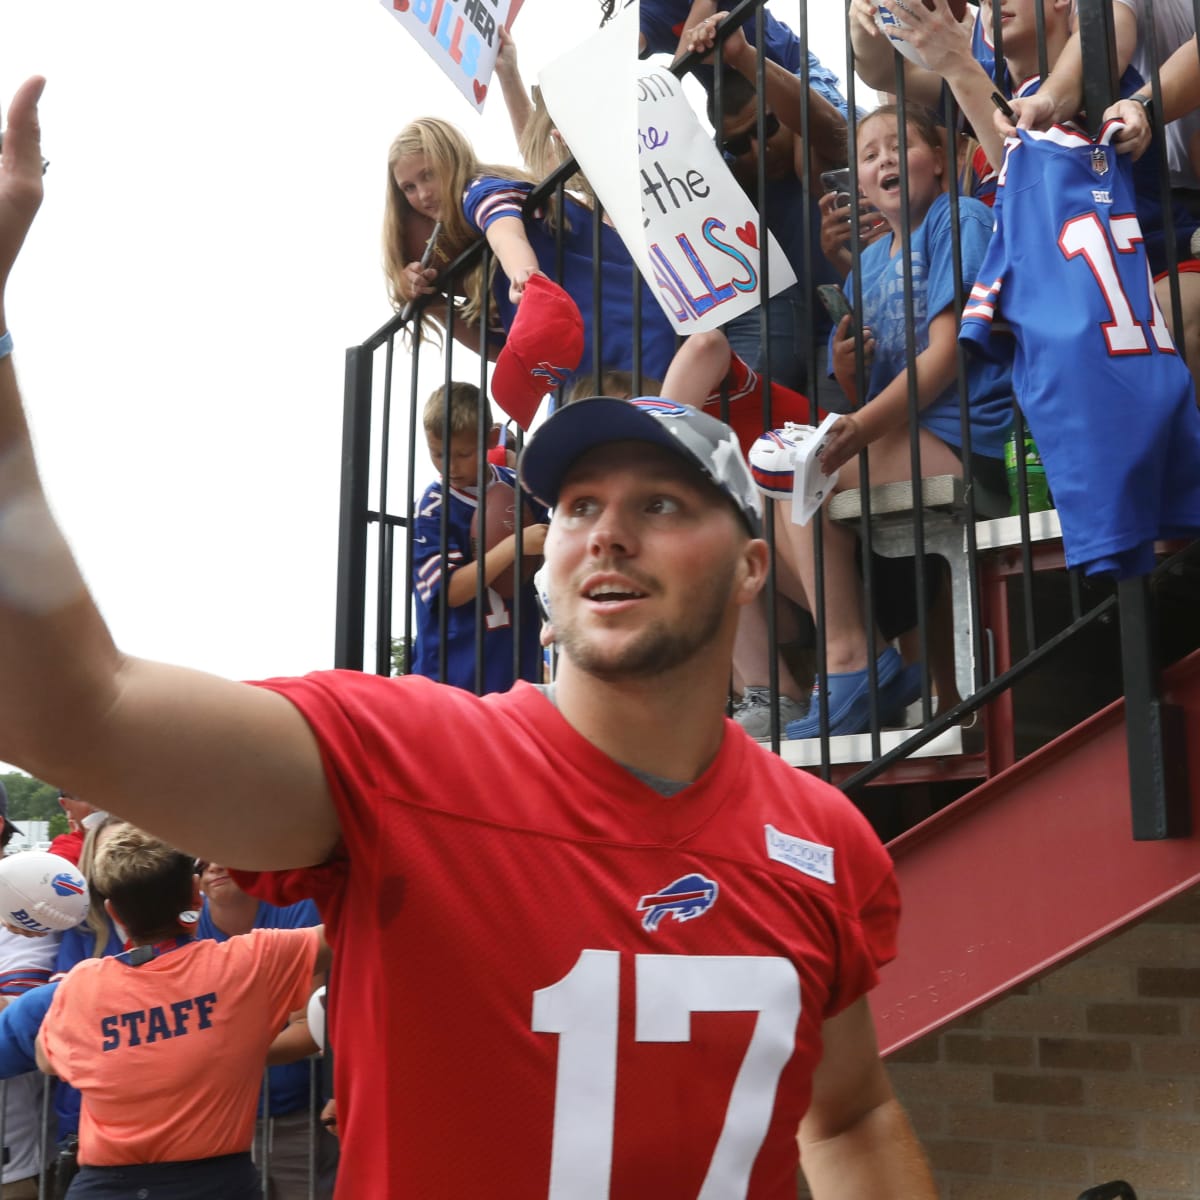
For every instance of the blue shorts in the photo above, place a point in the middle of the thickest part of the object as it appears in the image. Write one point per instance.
(231, 1176)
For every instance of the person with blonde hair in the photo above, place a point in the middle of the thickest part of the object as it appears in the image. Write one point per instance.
(435, 177)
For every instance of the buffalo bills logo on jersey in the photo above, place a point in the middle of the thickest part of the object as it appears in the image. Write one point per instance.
(65, 884)
(688, 897)
(554, 376)
(667, 407)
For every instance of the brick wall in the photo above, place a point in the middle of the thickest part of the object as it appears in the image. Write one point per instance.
(1088, 1074)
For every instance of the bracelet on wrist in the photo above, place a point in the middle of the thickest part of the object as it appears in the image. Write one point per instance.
(1147, 103)
(6, 344)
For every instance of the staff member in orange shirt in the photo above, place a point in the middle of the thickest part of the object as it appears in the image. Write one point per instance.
(166, 1042)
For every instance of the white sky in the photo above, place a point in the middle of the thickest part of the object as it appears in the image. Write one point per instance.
(208, 247)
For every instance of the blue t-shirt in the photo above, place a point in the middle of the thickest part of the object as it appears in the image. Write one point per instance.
(488, 198)
(289, 1082)
(20, 1021)
(1107, 397)
(76, 945)
(499, 617)
(989, 385)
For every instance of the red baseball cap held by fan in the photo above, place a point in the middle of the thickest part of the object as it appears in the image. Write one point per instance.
(544, 345)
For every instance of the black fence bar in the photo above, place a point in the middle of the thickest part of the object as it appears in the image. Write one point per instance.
(1155, 730)
(352, 516)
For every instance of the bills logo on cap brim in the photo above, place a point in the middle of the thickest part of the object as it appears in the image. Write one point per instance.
(668, 408)
(688, 897)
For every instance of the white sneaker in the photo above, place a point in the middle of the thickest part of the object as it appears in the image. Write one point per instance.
(753, 712)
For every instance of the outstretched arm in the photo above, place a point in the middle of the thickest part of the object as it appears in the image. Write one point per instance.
(203, 762)
(507, 237)
(855, 1139)
(1179, 79)
(512, 86)
(784, 92)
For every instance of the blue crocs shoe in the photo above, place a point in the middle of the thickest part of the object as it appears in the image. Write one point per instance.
(850, 699)
(899, 694)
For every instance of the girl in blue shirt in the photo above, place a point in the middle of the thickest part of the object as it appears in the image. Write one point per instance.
(882, 423)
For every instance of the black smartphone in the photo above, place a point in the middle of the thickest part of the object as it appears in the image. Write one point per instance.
(836, 181)
(835, 302)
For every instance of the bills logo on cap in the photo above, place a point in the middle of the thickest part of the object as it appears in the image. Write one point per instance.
(668, 408)
(67, 885)
(688, 897)
(554, 376)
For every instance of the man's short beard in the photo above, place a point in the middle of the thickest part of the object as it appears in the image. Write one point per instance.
(657, 648)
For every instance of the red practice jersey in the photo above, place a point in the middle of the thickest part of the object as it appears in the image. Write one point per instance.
(552, 981)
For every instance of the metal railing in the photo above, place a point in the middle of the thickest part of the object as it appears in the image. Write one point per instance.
(374, 581)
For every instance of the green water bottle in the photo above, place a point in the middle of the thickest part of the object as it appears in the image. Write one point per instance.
(1037, 491)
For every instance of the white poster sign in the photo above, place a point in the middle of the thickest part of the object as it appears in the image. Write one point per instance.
(688, 225)
(459, 35)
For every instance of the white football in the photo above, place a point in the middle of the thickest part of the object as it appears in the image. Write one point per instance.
(316, 1017)
(889, 14)
(41, 892)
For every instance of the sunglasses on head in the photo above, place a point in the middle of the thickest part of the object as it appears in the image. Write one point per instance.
(739, 143)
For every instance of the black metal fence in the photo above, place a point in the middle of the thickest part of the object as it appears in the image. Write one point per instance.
(1003, 629)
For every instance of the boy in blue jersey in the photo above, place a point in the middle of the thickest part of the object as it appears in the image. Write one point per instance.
(452, 578)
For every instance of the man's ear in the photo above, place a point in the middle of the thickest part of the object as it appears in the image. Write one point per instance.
(493, 437)
(756, 558)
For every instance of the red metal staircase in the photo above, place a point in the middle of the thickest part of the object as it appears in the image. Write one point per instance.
(1028, 869)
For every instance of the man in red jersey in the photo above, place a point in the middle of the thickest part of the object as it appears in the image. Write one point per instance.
(592, 940)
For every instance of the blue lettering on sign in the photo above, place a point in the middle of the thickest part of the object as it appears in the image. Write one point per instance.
(157, 1023)
(709, 233)
(703, 298)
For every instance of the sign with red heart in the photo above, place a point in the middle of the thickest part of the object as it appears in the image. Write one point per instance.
(685, 220)
(459, 35)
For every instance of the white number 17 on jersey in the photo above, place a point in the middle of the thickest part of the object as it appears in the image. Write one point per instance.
(582, 1008)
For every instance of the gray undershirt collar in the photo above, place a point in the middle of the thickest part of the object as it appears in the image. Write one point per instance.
(664, 787)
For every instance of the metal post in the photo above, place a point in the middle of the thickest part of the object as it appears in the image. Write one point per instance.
(352, 517)
(1155, 730)
(1098, 44)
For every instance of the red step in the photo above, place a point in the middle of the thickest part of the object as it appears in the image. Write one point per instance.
(1029, 869)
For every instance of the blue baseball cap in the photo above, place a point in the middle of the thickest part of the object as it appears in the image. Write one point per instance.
(706, 443)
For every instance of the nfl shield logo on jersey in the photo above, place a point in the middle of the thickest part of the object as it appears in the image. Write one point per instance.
(689, 896)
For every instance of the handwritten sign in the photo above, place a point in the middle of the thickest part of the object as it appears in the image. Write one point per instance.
(687, 223)
(459, 35)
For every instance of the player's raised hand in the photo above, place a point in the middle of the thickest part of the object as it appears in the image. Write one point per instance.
(20, 173)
